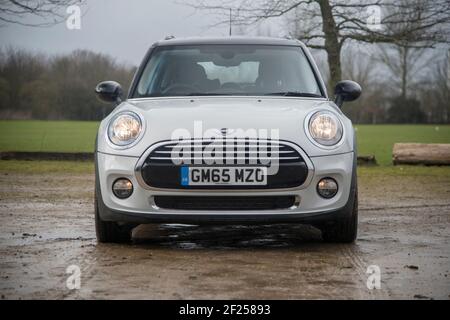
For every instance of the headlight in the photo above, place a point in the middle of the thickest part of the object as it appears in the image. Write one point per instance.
(325, 128)
(124, 128)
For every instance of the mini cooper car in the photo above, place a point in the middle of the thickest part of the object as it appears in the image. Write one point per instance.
(226, 131)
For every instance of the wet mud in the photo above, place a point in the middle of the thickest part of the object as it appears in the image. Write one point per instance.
(47, 225)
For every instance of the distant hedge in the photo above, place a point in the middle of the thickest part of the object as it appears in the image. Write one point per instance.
(35, 86)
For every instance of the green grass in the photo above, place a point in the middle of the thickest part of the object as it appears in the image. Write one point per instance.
(78, 136)
(58, 136)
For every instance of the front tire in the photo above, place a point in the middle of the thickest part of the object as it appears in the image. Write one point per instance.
(343, 230)
(110, 231)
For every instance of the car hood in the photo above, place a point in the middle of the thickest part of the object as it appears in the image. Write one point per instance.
(164, 116)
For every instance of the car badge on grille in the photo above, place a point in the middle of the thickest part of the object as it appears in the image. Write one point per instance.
(225, 131)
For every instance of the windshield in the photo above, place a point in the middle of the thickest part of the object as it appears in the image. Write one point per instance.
(227, 70)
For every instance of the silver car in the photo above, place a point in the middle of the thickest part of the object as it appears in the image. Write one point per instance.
(226, 131)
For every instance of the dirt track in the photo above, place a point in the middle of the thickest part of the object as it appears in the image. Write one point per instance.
(46, 224)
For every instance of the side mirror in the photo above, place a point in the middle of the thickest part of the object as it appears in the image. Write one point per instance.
(109, 91)
(346, 90)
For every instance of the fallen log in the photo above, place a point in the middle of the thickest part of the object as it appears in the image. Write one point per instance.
(421, 153)
(367, 160)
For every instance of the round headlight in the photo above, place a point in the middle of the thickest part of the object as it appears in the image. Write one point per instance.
(124, 128)
(325, 128)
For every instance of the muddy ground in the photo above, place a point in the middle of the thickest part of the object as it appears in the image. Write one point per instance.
(46, 224)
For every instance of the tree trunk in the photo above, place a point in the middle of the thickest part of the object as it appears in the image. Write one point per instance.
(404, 51)
(332, 44)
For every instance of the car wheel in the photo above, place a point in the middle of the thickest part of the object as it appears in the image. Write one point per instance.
(345, 229)
(110, 231)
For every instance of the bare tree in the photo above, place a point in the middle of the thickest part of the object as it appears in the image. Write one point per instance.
(405, 64)
(328, 24)
(435, 92)
(359, 65)
(45, 12)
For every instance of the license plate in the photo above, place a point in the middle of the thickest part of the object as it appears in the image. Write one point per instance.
(207, 176)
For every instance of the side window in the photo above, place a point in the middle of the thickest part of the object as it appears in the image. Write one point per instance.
(244, 73)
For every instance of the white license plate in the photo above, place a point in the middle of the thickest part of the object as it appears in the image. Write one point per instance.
(207, 176)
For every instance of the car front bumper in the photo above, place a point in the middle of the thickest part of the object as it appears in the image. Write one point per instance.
(140, 206)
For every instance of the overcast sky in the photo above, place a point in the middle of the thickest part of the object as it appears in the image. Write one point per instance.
(122, 28)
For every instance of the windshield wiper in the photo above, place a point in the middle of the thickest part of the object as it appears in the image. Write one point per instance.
(294, 94)
(185, 94)
(287, 94)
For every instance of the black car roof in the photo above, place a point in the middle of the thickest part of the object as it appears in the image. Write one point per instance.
(228, 40)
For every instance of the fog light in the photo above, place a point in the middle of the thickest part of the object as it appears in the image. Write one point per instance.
(327, 188)
(122, 188)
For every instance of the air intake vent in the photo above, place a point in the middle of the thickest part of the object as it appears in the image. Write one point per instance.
(224, 203)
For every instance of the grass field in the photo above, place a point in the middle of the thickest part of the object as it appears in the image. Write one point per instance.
(78, 136)
(63, 136)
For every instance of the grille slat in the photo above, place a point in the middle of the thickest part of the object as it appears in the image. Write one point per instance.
(223, 152)
(226, 158)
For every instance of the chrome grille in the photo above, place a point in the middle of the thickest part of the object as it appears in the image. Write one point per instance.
(224, 151)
